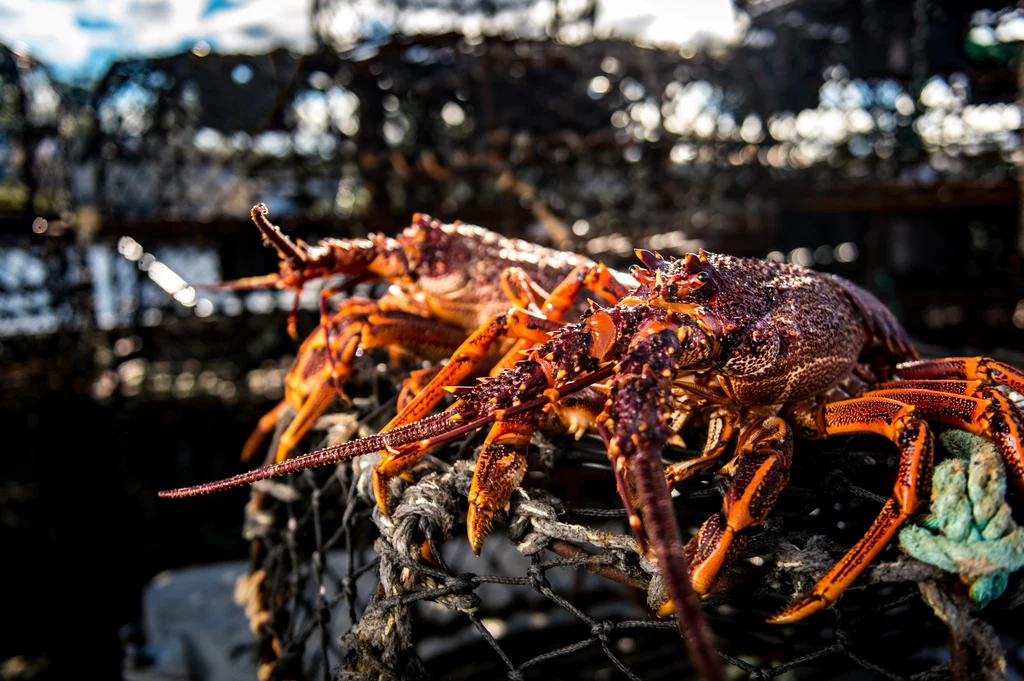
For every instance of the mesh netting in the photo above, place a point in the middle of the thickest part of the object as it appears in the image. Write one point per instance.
(337, 590)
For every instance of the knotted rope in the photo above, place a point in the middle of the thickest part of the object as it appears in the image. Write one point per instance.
(970, 531)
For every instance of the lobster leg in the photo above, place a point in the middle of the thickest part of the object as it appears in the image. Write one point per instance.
(414, 384)
(312, 408)
(900, 423)
(266, 426)
(583, 358)
(594, 277)
(310, 370)
(528, 327)
(308, 374)
(326, 322)
(520, 288)
(762, 471)
(721, 428)
(499, 470)
(984, 411)
(361, 325)
(365, 332)
(461, 364)
(399, 458)
(492, 482)
(502, 462)
(984, 369)
(465, 358)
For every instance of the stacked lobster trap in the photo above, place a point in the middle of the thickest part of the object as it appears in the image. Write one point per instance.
(596, 148)
(339, 587)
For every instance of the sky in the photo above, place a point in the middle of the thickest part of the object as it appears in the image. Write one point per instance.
(79, 39)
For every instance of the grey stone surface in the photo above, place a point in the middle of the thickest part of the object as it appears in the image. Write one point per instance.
(193, 628)
(195, 631)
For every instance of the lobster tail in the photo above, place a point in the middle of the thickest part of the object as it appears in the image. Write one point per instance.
(888, 342)
(439, 424)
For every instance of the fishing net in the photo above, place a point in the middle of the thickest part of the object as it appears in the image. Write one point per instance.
(337, 590)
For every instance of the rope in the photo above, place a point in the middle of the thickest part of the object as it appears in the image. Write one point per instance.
(970, 531)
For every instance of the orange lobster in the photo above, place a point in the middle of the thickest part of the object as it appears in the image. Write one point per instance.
(448, 280)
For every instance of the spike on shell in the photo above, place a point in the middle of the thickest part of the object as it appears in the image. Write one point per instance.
(652, 261)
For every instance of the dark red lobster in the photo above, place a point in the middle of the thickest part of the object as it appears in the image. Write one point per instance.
(757, 345)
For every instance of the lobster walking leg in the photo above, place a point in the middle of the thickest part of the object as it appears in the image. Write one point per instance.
(312, 408)
(415, 382)
(899, 423)
(762, 471)
(326, 323)
(499, 470)
(502, 461)
(321, 369)
(267, 424)
(721, 428)
(465, 358)
(592, 276)
(520, 288)
(461, 364)
(986, 369)
(983, 410)
(529, 329)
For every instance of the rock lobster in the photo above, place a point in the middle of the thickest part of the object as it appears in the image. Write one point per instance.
(447, 281)
(767, 350)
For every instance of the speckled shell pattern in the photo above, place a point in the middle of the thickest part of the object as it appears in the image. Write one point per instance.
(791, 332)
(458, 265)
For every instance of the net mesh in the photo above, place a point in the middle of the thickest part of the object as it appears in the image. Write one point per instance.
(337, 590)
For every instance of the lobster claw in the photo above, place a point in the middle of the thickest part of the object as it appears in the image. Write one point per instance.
(651, 260)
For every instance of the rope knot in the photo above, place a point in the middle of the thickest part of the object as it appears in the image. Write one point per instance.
(462, 583)
(970, 531)
(601, 630)
(538, 579)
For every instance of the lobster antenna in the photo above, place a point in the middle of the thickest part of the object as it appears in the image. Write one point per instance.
(429, 432)
(278, 239)
(426, 428)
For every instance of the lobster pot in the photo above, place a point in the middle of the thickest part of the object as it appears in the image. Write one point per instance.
(559, 590)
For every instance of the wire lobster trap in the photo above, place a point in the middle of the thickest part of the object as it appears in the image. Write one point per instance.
(337, 590)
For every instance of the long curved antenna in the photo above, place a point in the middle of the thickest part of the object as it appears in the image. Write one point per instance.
(430, 431)
(245, 284)
(425, 428)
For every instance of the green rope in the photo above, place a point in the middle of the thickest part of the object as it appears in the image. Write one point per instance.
(970, 531)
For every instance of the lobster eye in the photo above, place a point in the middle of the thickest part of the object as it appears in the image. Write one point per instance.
(702, 277)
